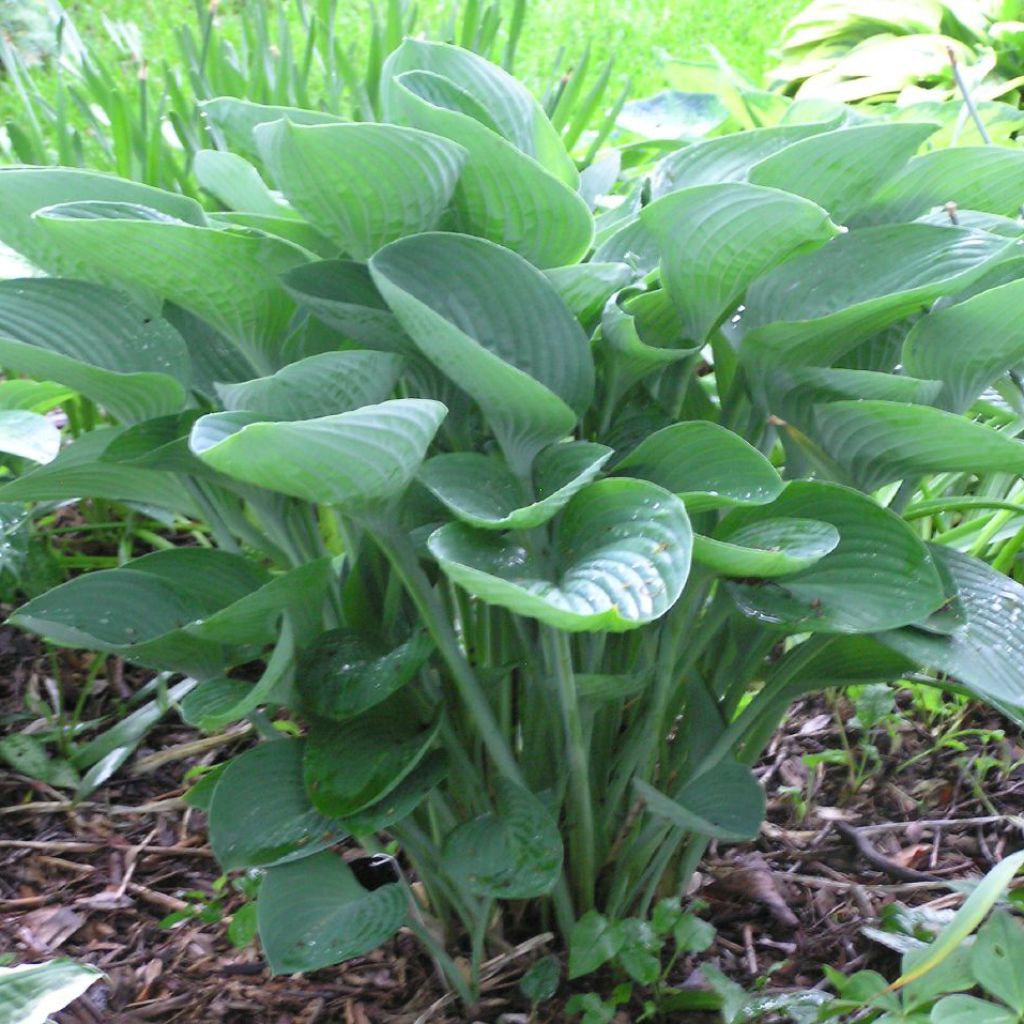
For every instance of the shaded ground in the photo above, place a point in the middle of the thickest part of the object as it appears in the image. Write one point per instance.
(843, 841)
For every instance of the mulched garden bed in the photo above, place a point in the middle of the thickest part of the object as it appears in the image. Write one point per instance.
(95, 881)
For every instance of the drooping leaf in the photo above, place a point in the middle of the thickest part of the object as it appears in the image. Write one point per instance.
(772, 547)
(236, 119)
(234, 181)
(362, 185)
(261, 813)
(621, 559)
(586, 287)
(367, 455)
(513, 853)
(314, 913)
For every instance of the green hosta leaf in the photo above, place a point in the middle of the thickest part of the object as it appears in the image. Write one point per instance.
(729, 158)
(984, 178)
(227, 276)
(820, 305)
(621, 560)
(261, 814)
(481, 490)
(880, 572)
(78, 472)
(514, 853)
(234, 181)
(593, 941)
(237, 119)
(503, 193)
(403, 799)
(504, 102)
(141, 611)
(211, 699)
(33, 396)
(28, 435)
(773, 547)
(716, 239)
(345, 673)
(342, 295)
(29, 756)
(333, 382)
(161, 443)
(368, 455)
(883, 441)
(965, 1009)
(289, 229)
(586, 287)
(354, 764)
(30, 993)
(986, 653)
(997, 950)
(362, 185)
(93, 340)
(495, 326)
(24, 190)
(313, 913)
(707, 465)
(994, 322)
(724, 802)
(841, 170)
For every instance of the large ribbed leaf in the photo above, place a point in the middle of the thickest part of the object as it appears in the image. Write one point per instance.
(314, 913)
(495, 326)
(227, 276)
(985, 178)
(342, 294)
(28, 435)
(318, 386)
(820, 305)
(514, 853)
(621, 559)
(878, 577)
(236, 120)
(841, 170)
(586, 287)
(141, 611)
(79, 472)
(23, 190)
(729, 158)
(882, 441)
(31, 993)
(261, 814)
(370, 454)
(352, 764)
(95, 341)
(481, 490)
(234, 181)
(715, 239)
(707, 465)
(503, 194)
(772, 547)
(724, 802)
(986, 653)
(994, 324)
(506, 105)
(362, 185)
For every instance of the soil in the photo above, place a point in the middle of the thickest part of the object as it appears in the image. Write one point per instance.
(97, 881)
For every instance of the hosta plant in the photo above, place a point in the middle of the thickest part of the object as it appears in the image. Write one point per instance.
(525, 524)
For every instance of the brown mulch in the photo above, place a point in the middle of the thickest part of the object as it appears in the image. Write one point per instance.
(95, 882)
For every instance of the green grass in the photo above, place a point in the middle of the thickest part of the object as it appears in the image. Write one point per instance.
(634, 33)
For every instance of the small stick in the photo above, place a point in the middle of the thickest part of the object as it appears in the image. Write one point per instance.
(878, 859)
(60, 846)
(814, 882)
(966, 93)
(58, 806)
(896, 826)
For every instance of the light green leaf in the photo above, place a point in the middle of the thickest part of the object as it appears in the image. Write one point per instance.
(93, 340)
(965, 1009)
(28, 435)
(724, 802)
(880, 572)
(997, 950)
(514, 853)
(705, 464)
(715, 239)
(621, 559)
(32, 395)
(352, 764)
(362, 185)
(333, 382)
(495, 326)
(994, 322)
(233, 181)
(593, 941)
(236, 120)
(313, 913)
(261, 813)
(368, 455)
(30, 993)
(841, 170)
(481, 490)
(586, 287)
(28, 755)
(773, 547)
(227, 276)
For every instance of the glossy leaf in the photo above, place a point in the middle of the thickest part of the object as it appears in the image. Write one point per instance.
(773, 547)
(236, 120)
